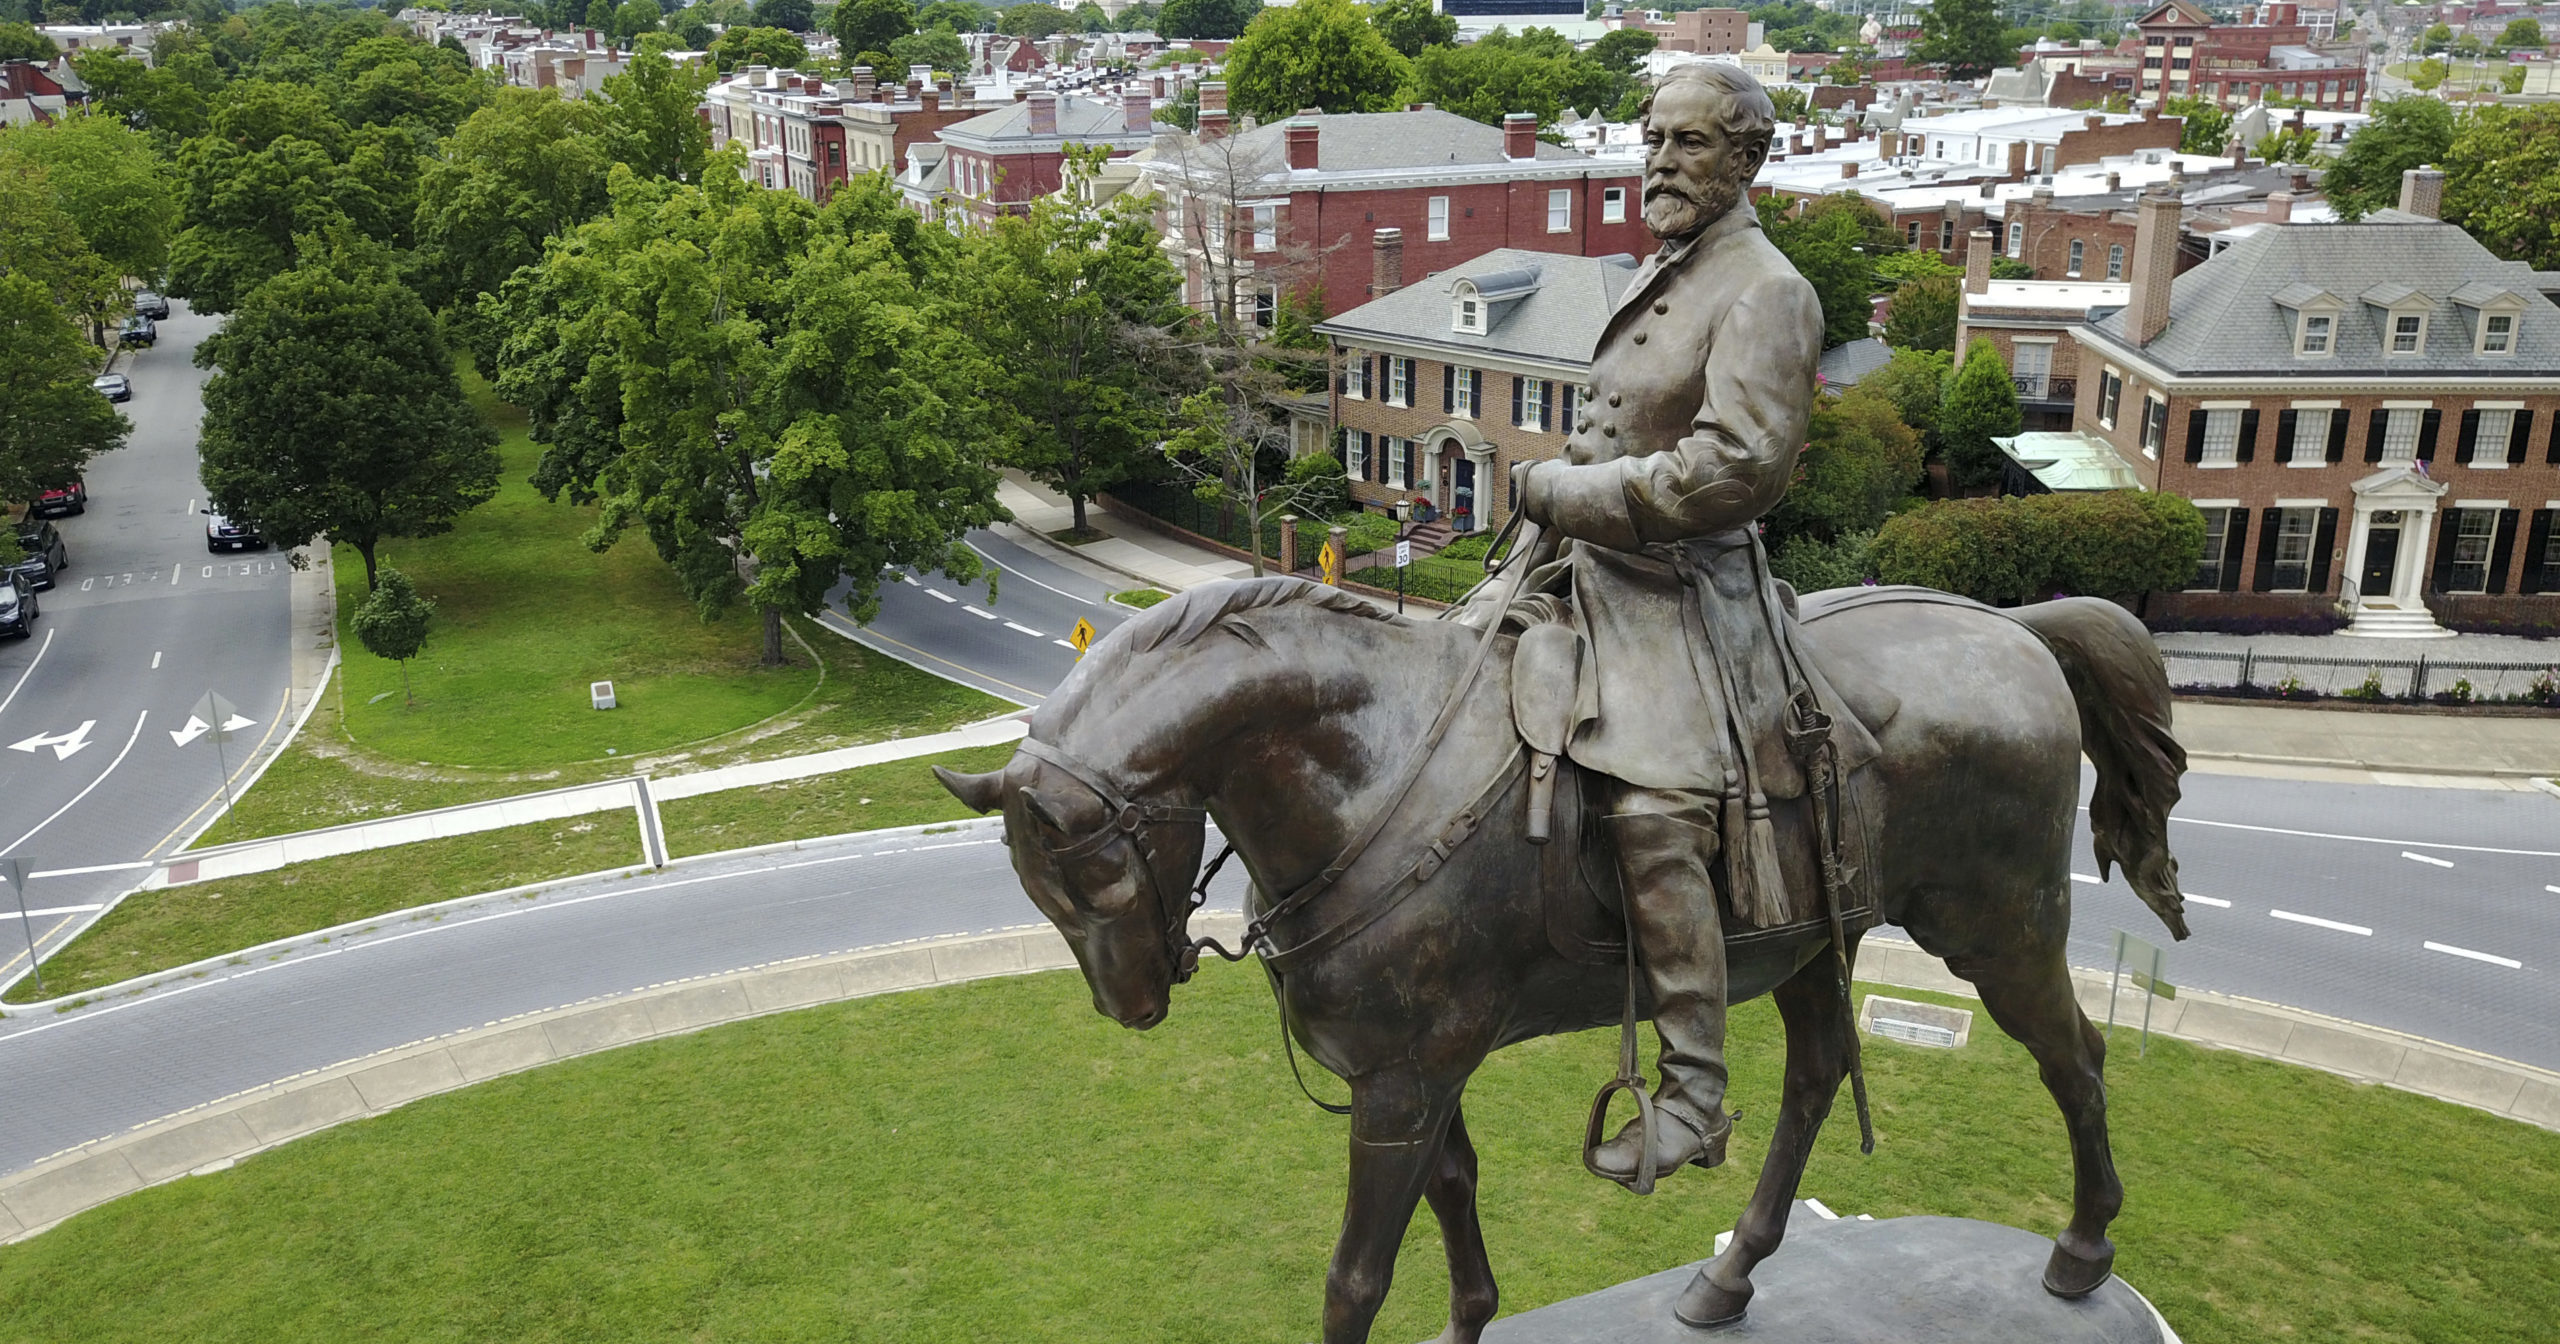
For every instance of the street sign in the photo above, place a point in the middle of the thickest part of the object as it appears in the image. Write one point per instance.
(1404, 554)
(1329, 562)
(214, 719)
(14, 872)
(2146, 965)
(1081, 636)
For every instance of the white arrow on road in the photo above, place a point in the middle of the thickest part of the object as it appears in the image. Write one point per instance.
(237, 722)
(195, 728)
(64, 745)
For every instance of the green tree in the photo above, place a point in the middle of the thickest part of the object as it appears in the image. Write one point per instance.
(1622, 49)
(51, 423)
(2108, 543)
(2502, 181)
(1032, 20)
(1915, 381)
(960, 16)
(2512, 80)
(871, 25)
(1966, 37)
(1410, 25)
(21, 42)
(937, 46)
(1831, 243)
(1923, 315)
(782, 397)
(1981, 405)
(169, 101)
(2405, 133)
(115, 188)
(1500, 73)
(632, 19)
(1315, 53)
(1812, 564)
(691, 29)
(2429, 76)
(1089, 18)
(2521, 35)
(334, 409)
(1211, 19)
(779, 47)
(1902, 267)
(793, 15)
(1859, 461)
(525, 168)
(2466, 46)
(650, 121)
(2298, 145)
(2437, 37)
(391, 623)
(1138, 18)
(2205, 127)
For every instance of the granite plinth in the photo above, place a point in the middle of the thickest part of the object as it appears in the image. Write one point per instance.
(1894, 1281)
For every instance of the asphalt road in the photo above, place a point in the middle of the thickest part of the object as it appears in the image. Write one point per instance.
(2322, 851)
(141, 625)
(1014, 647)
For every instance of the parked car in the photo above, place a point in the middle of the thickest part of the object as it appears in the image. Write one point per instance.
(151, 305)
(17, 607)
(60, 501)
(113, 386)
(139, 330)
(222, 534)
(41, 543)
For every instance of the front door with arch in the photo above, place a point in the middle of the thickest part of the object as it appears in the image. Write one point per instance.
(2381, 553)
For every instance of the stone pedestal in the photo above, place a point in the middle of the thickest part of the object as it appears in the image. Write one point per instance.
(1897, 1281)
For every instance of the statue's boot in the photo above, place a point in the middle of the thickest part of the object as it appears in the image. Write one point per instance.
(1672, 914)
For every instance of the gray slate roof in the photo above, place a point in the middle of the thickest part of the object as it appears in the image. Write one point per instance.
(1084, 119)
(1356, 142)
(1557, 322)
(1844, 365)
(2224, 318)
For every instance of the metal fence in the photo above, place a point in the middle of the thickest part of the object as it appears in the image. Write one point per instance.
(2307, 676)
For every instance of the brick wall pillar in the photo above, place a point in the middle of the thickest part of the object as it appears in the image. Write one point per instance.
(1288, 543)
(1341, 539)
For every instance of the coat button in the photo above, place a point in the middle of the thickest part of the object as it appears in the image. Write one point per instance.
(1659, 307)
(1582, 428)
(1610, 430)
(1639, 338)
(1614, 398)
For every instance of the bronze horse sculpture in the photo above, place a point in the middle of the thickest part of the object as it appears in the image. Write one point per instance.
(1288, 711)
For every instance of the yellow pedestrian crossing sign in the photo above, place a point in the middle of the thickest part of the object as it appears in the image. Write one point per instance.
(1081, 636)
(1329, 561)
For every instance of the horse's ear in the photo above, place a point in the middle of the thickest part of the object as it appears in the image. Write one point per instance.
(1041, 811)
(981, 793)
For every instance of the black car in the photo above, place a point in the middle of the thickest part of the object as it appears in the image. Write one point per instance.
(17, 607)
(112, 386)
(139, 330)
(222, 534)
(151, 305)
(41, 543)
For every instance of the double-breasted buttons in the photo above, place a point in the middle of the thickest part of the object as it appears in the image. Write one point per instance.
(1609, 431)
(1615, 398)
(1584, 427)
(1659, 307)
(1639, 338)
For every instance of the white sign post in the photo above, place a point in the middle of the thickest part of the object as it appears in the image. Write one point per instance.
(1404, 561)
(14, 872)
(214, 719)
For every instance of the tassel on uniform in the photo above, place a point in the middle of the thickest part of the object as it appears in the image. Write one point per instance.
(1763, 899)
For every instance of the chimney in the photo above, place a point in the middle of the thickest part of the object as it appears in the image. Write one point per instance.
(2115, 181)
(1849, 170)
(1891, 143)
(2155, 263)
(1159, 86)
(864, 83)
(1138, 113)
(1519, 136)
(1021, 94)
(2422, 192)
(1212, 124)
(1213, 96)
(1301, 138)
(929, 101)
(1979, 245)
(1044, 113)
(2092, 122)
(1386, 262)
(920, 74)
(2280, 208)
(2018, 161)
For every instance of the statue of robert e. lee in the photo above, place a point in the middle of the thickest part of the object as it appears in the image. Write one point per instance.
(1700, 391)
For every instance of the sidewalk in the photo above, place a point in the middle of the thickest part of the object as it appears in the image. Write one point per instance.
(1150, 558)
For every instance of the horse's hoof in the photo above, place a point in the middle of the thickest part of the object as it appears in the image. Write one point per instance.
(1706, 1304)
(2070, 1275)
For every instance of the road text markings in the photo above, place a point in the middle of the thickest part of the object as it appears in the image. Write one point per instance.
(2318, 923)
(1024, 629)
(65, 745)
(2208, 900)
(2426, 858)
(982, 613)
(2450, 950)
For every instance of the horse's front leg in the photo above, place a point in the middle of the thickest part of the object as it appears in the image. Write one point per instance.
(1452, 1192)
(1817, 1059)
(1398, 1122)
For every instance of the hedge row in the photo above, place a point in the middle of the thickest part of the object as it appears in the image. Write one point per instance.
(2112, 543)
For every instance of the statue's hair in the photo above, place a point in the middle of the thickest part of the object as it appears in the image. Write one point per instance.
(1744, 115)
(1186, 616)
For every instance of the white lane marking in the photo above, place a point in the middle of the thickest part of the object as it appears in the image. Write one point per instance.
(65, 745)
(31, 669)
(2553, 890)
(2370, 839)
(937, 593)
(909, 578)
(1025, 577)
(2092, 881)
(2426, 858)
(982, 613)
(191, 506)
(88, 910)
(2450, 950)
(1069, 644)
(155, 660)
(136, 736)
(1024, 629)
(174, 572)
(2316, 922)
(94, 868)
(2207, 900)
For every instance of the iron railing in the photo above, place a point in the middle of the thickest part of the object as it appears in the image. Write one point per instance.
(2044, 387)
(2310, 676)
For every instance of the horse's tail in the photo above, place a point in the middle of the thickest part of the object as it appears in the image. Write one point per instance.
(2122, 689)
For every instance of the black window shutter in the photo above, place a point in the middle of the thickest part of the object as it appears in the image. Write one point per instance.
(1448, 387)
(2427, 434)
(1475, 390)
(2235, 548)
(2284, 434)
(1547, 405)
(2195, 436)
(2469, 438)
(1518, 385)
(2537, 544)
(2268, 522)
(2249, 434)
(2552, 455)
(2448, 526)
(2518, 437)
(2338, 435)
(2502, 550)
(2320, 544)
(2374, 431)
(1378, 366)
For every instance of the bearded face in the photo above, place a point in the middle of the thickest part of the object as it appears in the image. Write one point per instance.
(1693, 173)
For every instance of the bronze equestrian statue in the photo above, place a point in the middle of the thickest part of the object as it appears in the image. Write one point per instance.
(1470, 832)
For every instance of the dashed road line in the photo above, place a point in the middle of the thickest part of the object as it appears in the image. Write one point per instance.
(2318, 923)
(1026, 578)
(1024, 629)
(155, 660)
(2552, 889)
(2426, 858)
(2207, 900)
(936, 593)
(31, 669)
(2367, 839)
(2450, 950)
(982, 613)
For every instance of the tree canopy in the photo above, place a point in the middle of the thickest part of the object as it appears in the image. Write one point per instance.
(1315, 53)
(750, 45)
(2502, 181)
(1210, 19)
(2205, 127)
(794, 15)
(1859, 461)
(1834, 243)
(51, 423)
(1536, 71)
(1966, 37)
(1410, 25)
(1981, 404)
(2405, 133)
(870, 25)
(1032, 20)
(2106, 543)
(521, 170)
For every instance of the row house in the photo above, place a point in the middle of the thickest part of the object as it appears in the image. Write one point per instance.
(2368, 414)
(124, 39)
(2090, 235)
(1292, 206)
(2030, 324)
(2268, 54)
(31, 96)
(808, 135)
(997, 163)
(1449, 382)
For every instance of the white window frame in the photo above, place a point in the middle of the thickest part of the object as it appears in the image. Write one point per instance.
(2155, 428)
(2221, 437)
(2484, 456)
(2079, 255)
(1355, 377)
(2115, 263)
(2305, 418)
(2304, 335)
(1533, 399)
(2017, 237)
(1399, 381)
(1355, 454)
(1266, 228)
(2480, 545)
(1462, 391)
(2217, 544)
(1613, 205)
(2506, 340)
(2401, 426)
(1436, 220)
(1559, 209)
(2293, 545)
(1466, 312)
(2110, 396)
(2417, 335)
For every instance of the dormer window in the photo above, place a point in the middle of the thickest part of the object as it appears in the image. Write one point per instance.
(2497, 333)
(1470, 313)
(2403, 320)
(2493, 312)
(2408, 332)
(2316, 328)
(2315, 319)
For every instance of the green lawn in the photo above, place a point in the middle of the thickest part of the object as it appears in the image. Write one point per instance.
(994, 1162)
(156, 930)
(875, 797)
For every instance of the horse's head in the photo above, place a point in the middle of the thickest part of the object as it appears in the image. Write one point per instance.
(1114, 874)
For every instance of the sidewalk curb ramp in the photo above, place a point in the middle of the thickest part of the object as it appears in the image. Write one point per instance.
(214, 1136)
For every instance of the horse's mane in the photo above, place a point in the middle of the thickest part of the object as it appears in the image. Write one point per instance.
(1186, 616)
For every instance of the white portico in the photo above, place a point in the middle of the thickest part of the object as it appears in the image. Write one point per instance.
(2387, 549)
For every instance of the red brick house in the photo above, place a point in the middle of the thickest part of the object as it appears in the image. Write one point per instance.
(2270, 53)
(999, 162)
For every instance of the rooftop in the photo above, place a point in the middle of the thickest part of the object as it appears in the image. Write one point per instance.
(1547, 307)
(2070, 460)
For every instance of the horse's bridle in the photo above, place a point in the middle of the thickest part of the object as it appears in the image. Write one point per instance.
(1134, 823)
